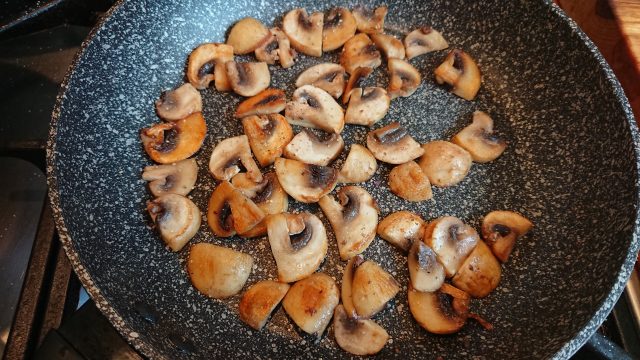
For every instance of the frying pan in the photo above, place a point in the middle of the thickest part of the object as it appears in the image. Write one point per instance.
(571, 167)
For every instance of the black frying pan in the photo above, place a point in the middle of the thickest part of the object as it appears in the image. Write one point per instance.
(570, 167)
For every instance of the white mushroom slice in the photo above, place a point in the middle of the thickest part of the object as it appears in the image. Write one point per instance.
(176, 217)
(445, 163)
(179, 103)
(423, 40)
(437, 312)
(268, 195)
(480, 273)
(339, 26)
(304, 182)
(248, 79)
(402, 229)
(170, 142)
(372, 288)
(370, 21)
(247, 35)
(425, 272)
(359, 51)
(177, 178)
(259, 301)
(298, 254)
(268, 135)
(359, 166)
(501, 229)
(353, 219)
(276, 48)
(367, 106)
(409, 182)
(391, 47)
(452, 240)
(310, 303)
(217, 271)
(326, 76)
(355, 81)
(309, 148)
(206, 64)
(347, 281)
(358, 336)
(223, 164)
(304, 31)
(480, 140)
(404, 79)
(314, 108)
(393, 144)
(461, 73)
(270, 101)
(219, 215)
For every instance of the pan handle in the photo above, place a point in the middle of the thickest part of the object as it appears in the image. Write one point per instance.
(605, 349)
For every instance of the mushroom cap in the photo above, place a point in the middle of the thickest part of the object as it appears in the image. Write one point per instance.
(359, 51)
(390, 46)
(480, 273)
(359, 166)
(206, 58)
(267, 136)
(247, 35)
(315, 108)
(269, 101)
(217, 271)
(404, 79)
(393, 144)
(461, 72)
(259, 301)
(409, 182)
(305, 182)
(435, 311)
(219, 215)
(310, 302)
(367, 106)
(304, 31)
(249, 78)
(170, 142)
(372, 288)
(358, 336)
(176, 217)
(370, 21)
(402, 229)
(425, 272)
(179, 103)
(354, 219)
(326, 76)
(445, 163)
(268, 195)
(479, 139)
(501, 229)
(310, 149)
(423, 40)
(355, 80)
(223, 163)
(177, 178)
(339, 26)
(452, 241)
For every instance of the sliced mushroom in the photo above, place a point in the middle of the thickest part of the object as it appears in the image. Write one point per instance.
(176, 217)
(480, 140)
(445, 163)
(402, 229)
(425, 272)
(347, 281)
(326, 76)
(372, 288)
(359, 166)
(359, 51)
(339, 26)
(404, 79)
(259, 301)
(170, 142)
(310, 303)
(245, 213)
(267, 135)
(217, 271)
(311, 149)
(179, 103)
(437, 312)
(480, 272)
(355, 81)
(370, 21)
(248, 79)
(423, 40)
(223, 163)
(353, 219)
(452, 240)
(177, 178)
(501, 229)
(367, 106)
(247, 35)
(315, 108)
(219, 215)
(461, 73)
(304, 31)
(409, 182)
(391, 47)
(358, 336)
(393, 144)
(298, 249)
(276, 48)
(304, 182)
(205, 59)
(269, 101)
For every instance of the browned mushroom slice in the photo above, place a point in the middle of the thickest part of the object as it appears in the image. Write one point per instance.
(315, 108)
(401, 228)
(339, 26)
(217, 271)
(425, 272)
(391, 47)
(247, 35)
(353, 219)
(423, 40)
(304, 31)
(393, 144)
(206, 64)
(358, 336)
(480, 140)
(267, 135)
(176, 217)
(259, 301)
(219, 215)
(370, 21)
(169, 142)
(445, 163)
(269, 101)
(177, 178)
(404, 79)
(179, 103)
(501, 229)
(223, 163)
(347, 281)
(310, 303)
(452, 240)
(438, 312)
(276, 48)
(326, 76)
(355, 81)
(359, 166)
(311, 149)
(480, 272)
(245, 213)
(409, 182)
(372, 288)
(367, 106)
(461, 73)
(248, 79)
(359, 51)
(268, 195)
(304, 182)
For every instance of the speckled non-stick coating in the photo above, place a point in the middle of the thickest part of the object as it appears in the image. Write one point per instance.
(570, 167)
